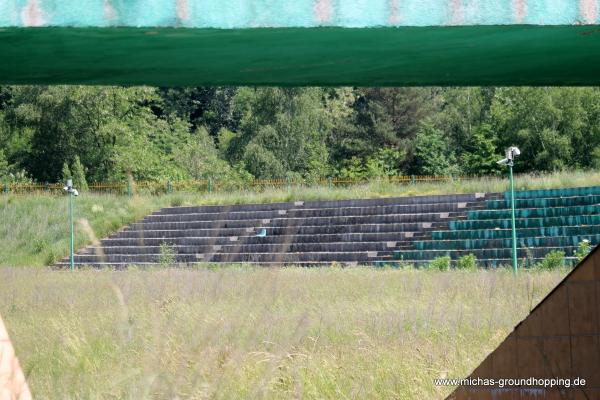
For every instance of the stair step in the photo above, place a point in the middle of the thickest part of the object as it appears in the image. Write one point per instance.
(433, 209)
(305, 230)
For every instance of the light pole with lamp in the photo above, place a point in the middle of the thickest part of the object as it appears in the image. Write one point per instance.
(72, 192)
(511, 154)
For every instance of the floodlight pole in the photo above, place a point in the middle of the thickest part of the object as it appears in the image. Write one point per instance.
(514, 228)
(72, 257)
(72, 192)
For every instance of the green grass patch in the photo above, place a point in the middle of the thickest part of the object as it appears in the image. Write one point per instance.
(232, 333)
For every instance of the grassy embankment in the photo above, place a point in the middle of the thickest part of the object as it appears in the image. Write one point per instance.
(35, 230)
(237, 333)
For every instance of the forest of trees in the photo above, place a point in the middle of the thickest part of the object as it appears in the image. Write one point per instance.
(237, 134)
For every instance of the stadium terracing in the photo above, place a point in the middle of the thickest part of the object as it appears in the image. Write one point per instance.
(381, 232)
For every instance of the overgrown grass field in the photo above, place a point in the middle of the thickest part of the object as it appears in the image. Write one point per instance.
(35, 228)
(234, 333)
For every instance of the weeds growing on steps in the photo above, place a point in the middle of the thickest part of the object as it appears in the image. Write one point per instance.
(167, 255)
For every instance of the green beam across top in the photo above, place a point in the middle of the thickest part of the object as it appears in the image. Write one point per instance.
(384, 56)
(300, 42)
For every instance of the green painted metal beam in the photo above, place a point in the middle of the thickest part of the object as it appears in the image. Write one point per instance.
(404, 56)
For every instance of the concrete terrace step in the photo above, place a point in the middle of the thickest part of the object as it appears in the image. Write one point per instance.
(359, 257)
(325, 238)
(124, 265)
(163, 216)
(232, 257)
(499, 253)
(248, 248)
(291, 230)
(306, 221)
(458, 198)
(490, 263)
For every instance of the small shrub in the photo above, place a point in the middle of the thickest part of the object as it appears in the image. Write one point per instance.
(583, 249)
(468, 262)
(441, 263)
(529, 260)
(404, 265)
(51, 258)
(66, 173)
(78, 174)
(395, 265)
(177, 201)
(167, 255)
(39, 245)
(553, 260)
(97, 209)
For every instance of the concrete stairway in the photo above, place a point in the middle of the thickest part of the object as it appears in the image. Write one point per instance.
(312, 233)
(546, 220)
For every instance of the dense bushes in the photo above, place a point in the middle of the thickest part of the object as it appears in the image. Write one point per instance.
(236, 134)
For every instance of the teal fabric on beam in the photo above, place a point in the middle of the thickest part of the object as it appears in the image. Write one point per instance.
(227, 14)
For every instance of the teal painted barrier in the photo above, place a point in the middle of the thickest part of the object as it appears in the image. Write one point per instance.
(506, 233)
(538, 241)
(505, 253)
(546, 202)
(564, 192)
(535, 212)
(525, 222)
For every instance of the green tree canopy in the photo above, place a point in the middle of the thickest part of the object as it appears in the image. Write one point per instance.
(235, 134)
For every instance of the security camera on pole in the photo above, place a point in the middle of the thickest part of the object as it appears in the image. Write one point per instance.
(511, 154)
(72, 192)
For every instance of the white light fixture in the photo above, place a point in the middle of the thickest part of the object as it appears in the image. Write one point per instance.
(511, 153)
(70, 189)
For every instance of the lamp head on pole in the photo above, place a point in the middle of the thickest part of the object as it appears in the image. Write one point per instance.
(70, 189)
(511, 153)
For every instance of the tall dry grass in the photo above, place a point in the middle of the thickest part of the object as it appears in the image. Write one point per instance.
(35, 229)
(236, 333)
(383, 188)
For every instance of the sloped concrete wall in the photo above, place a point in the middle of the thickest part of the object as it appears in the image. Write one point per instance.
(295, 13)
(559, 339)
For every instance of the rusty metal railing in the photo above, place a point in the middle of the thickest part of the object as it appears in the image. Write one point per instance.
(212, 185)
